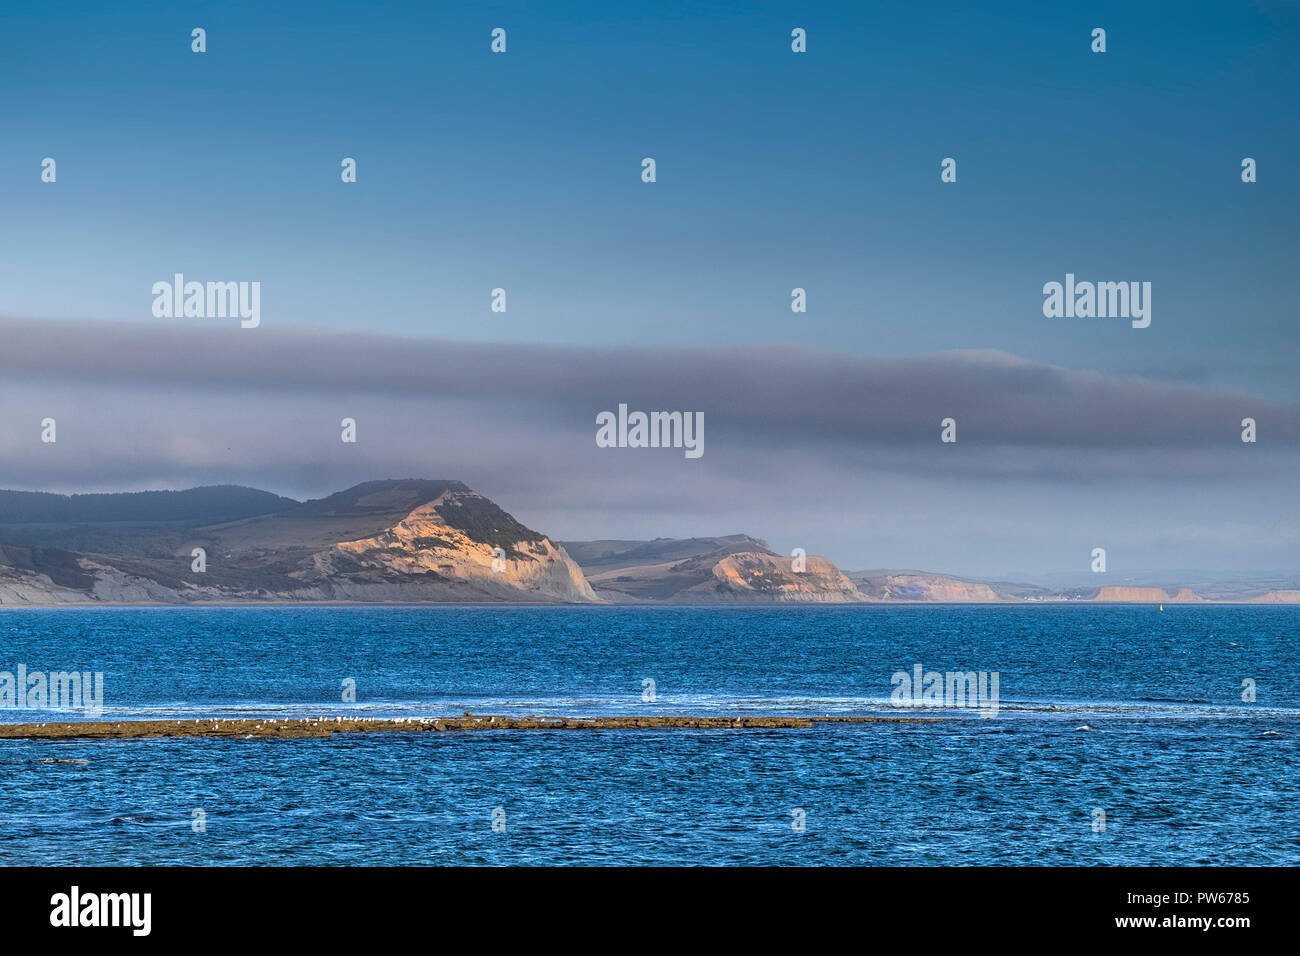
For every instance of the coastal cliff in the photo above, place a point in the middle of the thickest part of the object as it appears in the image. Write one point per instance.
(383, 541)
(1118, 594)
(439, 541)
(732, 569)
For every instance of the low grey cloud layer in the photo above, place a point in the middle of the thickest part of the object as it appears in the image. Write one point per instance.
(798, 444)
(799, 394)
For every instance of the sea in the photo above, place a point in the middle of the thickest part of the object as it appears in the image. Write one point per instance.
(1122, 735)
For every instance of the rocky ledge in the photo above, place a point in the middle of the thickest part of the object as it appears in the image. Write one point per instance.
(256, 729)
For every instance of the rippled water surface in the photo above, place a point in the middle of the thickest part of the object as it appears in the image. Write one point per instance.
(1185, 771)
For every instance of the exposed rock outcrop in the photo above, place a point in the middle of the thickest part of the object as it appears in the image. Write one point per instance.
(732, 569)
(418, 541)
(763, 576)
(1277, 597)
(384, 541)
(1121, 594)
(926, 587)
(426, 553)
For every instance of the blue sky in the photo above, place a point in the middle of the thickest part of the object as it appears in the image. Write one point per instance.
(776, 170)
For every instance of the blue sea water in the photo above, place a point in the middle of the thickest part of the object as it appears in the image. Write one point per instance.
(1185, 770)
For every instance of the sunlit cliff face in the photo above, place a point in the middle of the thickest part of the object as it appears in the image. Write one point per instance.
(425, 543)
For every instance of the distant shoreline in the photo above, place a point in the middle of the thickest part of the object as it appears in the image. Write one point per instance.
(308, 727)
(82, 606)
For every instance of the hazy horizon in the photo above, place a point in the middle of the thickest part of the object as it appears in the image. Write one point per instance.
(1050, 463)
(776, 171)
